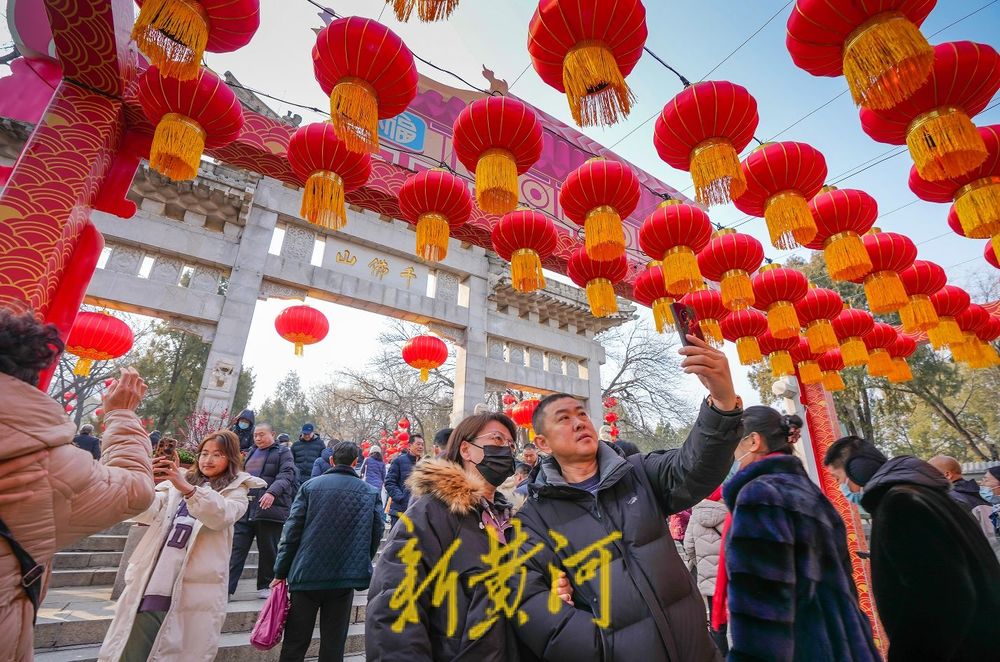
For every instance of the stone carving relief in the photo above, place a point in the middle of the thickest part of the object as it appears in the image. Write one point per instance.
(205, 279)
(447, 287)
(166, 270)
(298, 244)
(535, 358)
(517, 354)
(204, 331)
(555, 364)
(494, 349)
(222, 374)
(456, 336)
(124, 260)
(269, 289)
(572, 369)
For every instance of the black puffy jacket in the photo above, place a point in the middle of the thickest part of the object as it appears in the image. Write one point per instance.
(246, 436)
(279, 474)
(395, 482)
(657, 613)
(306, 454)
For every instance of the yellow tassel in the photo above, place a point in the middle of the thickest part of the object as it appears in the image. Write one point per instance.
(919, 315)
(680, 270)
(496, 181)
(82, 367)
(854, 352)
(173, 35)
(981, 355)
(978, 207)
(432, 237)
(886, 60)
(737, 290)
(712, 331)
(177, 146)
(900, 371)
(526, 270)
(716, 172)
(962, 352)
(945, 144)
(885, 292)
(354, 114)
(425, 374)
(810, 373)
(821, 336)
(781, 364)
(601, 297)
(748, 349)
(402, 9)
(846, 257)
(832, 381)
(789, 221)
(427, 10)
(603, 234)
(323, 200)
(782, 320)
(879, 363)
(595, 88)
(662, 315)
(946, 333)
(299, 349)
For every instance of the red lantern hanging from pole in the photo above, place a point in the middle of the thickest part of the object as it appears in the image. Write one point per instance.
(434, 200)
(672, 235)
(301, 325)
(599, 279)
(369, 74)
(901, 348)
(744, 327)
(986, 355)
(781, 179)
(523, 412)
(890, 253)
(425, 353)
(649, 290)
(935, 121)
(586, 50)
(703, 130)
(776, 291)
(806, 362)
(921, 280)
(831, 363)
(851, 325)
(990, 255)
(729, 259)
(97, 337)
(403, 424)
(525, 238)
(498, 138)
(778, 351)
(877, 342)
(598, 195)
(841, 217)
(815, 311)
(970, 321)
(710, 312)
(948, 302)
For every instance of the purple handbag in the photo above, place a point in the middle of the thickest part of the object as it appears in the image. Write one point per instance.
(271, 621)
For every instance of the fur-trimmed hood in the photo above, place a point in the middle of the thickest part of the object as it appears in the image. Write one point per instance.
(449, 483)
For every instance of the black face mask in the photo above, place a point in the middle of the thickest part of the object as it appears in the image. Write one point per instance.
(497, 464)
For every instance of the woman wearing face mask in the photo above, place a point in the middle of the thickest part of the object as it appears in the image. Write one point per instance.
(790, 592)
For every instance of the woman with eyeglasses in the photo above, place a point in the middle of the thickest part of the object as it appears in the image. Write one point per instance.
(446, 532)
(174, 601)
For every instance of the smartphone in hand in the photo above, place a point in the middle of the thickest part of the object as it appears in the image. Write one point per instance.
(686, 322)
(166, 448)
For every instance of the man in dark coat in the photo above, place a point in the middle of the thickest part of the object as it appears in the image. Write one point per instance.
(322, 463)
(934, 576)
(268, 509)
(306, 450)
(243, 427)
(399, 471)
(326, 552)
(641, 603)
(963, 490)
(88, 442)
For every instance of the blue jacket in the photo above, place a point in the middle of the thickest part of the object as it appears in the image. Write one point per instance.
(395, 482)
(373, 472)
(332, 534)
(322, 463)
(791, 596)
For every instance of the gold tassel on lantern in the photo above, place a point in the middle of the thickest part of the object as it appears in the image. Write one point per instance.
(299, 349)
(846, 257)
(716, 172)
(427, 10)
(879, 363)
(981, 355)
(680, 270)
(595, 88)
(781, 364)
(526, 270)
(810, 373)
(736, 289)
(963, 352)
(432, 237)
(82, 367)
(886, 60)
(662, 315)
(789, 221)
(177, 146)
(832, 381)
(354, 114)
(496, 181)
(854, 352)
(946, 333)
(748, 349)
(603, 234)
(918, 315)
(601, 297)
(945, 144)
(821, 336)
(782, 320)
(885, 292)
(425, 374)
(900, 371)
(173, 35)
(978, 207)
(712, 331)
(323, 200)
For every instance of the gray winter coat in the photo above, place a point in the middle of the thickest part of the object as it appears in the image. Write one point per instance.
(703, 540)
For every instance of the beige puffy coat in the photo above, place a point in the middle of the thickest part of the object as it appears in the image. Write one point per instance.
(702, 541)
(79, 497)
(192, 626)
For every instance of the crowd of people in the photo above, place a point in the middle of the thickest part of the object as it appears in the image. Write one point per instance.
(569, 547)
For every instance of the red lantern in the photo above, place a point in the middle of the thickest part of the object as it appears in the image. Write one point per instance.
(301, 325)
(778, 351)
(425, 353)
(509, 399)
(710, 312)
(729, 259)
(934, 122)
(901, 348)
(815, 311)
(434, 200)
(523, 411)
(610, 402)
(948, 302)
(976, 194)
(877, 46)
(328, 170)
(97, 337)
(990, 253)
(369, 74)
(509, 412)
(921, 281)
(970, 320)
(851, 325)
(672, 235)
(877, 342)
(703, 130)
(174, 34)
(776, 290)
(831, 363)
(69, 408)
(610, 417)
(614, 432)
(498, 138)
(108, 382)
(69, 396)
(403, 438)
(806, 362)
(841, 217)
(525, 238)
(986, 355)
(403, 424)
(599, 279)
(890, 254)
(598, 195)
(649, 290)
(781, 179)
(190, 116)
(586, 50)
(99, 412)
(744, 327)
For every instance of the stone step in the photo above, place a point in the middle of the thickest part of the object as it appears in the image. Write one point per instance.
(105, 576)
(120, 529)
(99, 543)
(77, 560)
